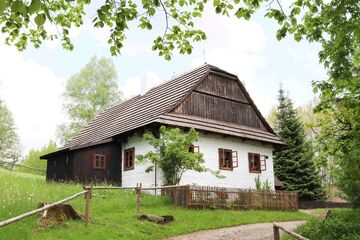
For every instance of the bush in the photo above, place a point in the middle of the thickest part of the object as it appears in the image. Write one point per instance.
(342, 224)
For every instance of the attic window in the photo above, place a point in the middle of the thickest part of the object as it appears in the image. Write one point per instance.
(254, 163)
(99, 162)
(228, 159)
(129, 159)
(194, 149)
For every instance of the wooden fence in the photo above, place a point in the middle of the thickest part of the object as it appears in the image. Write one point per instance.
(190, 197)
(323, 204)
(277, 227)
(231, 198)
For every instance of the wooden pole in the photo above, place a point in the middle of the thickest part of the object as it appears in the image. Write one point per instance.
(87, 206)
(138, 192)
(276, 232)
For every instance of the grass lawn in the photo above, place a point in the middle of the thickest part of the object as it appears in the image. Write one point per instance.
(112, 213)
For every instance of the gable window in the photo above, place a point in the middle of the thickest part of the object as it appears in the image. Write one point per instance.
(227, 159)
(99, 162)
(254, 162)
(129, 159)
(194, 149)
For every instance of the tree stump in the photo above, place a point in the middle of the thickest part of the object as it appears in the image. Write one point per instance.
(56, 214)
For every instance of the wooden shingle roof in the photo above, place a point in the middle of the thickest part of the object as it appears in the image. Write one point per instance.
(154, 107)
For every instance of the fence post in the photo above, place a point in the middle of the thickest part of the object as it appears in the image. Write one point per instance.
(276, 232)
(187, 196)
(138, 192)
(175, 197)
(87, 205)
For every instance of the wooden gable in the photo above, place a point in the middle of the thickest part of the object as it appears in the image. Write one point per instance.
(221, 97)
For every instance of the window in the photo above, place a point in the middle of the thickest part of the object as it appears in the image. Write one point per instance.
(99, 162)
(228, 159)
(194, 149)
(129, 158)
(254, 163)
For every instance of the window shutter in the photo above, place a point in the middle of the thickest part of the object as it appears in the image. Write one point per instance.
(235, 162)
(196, 149)
(221, 152)
(263, 162)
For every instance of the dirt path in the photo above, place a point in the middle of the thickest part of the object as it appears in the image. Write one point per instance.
(258, 231)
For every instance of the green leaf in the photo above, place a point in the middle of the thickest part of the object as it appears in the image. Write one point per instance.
(19, 6)
(40, 19)
(35, 6)
(295, 11)
(151, 11)
(3, 5)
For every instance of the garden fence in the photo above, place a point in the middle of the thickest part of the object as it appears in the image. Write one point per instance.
(231, 198)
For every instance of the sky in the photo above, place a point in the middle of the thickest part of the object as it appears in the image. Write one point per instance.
(32, 81)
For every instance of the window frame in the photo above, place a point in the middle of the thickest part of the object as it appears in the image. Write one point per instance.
(126, 165)
(102, 159)
(221, 158)
(251, 157)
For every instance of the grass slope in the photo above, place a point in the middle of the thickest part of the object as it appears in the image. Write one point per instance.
(112, 213)
(343, 224)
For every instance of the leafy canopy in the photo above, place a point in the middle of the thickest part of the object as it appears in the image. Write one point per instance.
(88, 93)
(171, 154)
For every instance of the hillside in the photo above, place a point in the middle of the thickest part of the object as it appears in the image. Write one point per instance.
(112, 213)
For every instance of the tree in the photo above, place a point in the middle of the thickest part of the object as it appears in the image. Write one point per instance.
(339, 140)
(9, 140)
(293, 163)
(326, 22)
(171, 154)
(32, 159)
(88, 93)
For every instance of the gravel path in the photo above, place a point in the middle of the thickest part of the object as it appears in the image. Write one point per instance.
(258, 231)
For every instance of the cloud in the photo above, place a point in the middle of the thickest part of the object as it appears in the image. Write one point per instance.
(33, 94)
(136, 85)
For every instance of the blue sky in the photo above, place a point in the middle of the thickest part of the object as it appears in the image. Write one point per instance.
(31, 82)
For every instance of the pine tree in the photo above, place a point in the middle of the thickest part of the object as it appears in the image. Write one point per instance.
(293, 163)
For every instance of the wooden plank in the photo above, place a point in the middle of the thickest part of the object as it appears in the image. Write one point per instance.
(28, 214)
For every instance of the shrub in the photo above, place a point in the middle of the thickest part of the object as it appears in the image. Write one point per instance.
(342, 224)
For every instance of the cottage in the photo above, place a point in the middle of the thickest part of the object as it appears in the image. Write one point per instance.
(234, 136)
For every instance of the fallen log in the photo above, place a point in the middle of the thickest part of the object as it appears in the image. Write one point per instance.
(157, 219)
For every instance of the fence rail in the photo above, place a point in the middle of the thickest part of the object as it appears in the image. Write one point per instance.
(21, 165)
(277, 227)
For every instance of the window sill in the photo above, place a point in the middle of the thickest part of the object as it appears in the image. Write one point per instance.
(226, 169)
(128, 169)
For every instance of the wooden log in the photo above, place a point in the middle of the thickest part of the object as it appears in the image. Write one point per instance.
(28, 214)
(291, 233)
(87, 206)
